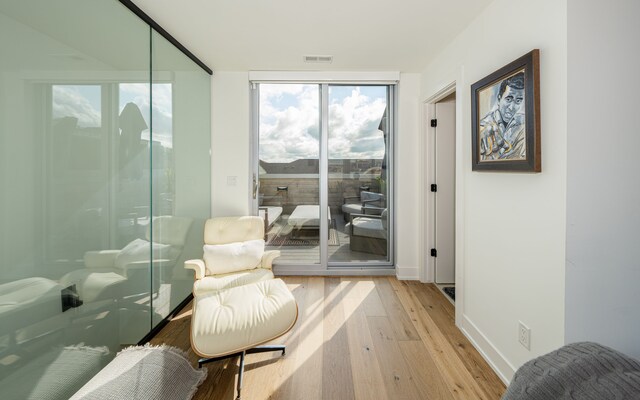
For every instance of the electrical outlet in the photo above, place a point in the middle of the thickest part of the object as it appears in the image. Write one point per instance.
(524, 335)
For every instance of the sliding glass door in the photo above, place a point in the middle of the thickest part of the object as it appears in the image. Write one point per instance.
(322, 173)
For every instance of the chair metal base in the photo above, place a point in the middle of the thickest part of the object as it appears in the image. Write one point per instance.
(253, 350)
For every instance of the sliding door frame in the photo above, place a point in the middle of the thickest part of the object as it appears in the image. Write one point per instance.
(325, 267)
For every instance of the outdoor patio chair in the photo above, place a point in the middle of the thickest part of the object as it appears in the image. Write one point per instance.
(368, 203)
(368, 233)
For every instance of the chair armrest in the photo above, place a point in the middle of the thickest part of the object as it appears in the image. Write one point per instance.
(371, 201)
(197, 266)
(268, 257)
(100, 258)
(372, 210)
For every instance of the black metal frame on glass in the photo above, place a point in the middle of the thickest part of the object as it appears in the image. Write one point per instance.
(505, 118)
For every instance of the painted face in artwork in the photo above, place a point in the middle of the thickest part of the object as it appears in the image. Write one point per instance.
(509, 103)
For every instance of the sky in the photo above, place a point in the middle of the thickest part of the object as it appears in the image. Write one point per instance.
(84, 102)
(289, 122)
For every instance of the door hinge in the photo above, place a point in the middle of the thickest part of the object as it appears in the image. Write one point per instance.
(434, 187)
(434, 253)
(434, 123)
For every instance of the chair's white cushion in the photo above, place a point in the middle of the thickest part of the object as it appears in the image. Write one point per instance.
(139, 251)
(239, 318)
(212, 284)
(223, 230)
(369, 227)
(100, 258)
(36, 297)
(352, 208)
(233, 257)
(95, 284)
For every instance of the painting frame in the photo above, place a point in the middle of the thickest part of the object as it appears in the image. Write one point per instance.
(512, 146)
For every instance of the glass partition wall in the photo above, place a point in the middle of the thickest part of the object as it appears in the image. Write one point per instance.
(104, 170)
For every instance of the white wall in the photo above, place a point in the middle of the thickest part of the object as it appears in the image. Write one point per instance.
(231, 157)
(230, 149)
(511, 226)
(603, 188)
(408, 177)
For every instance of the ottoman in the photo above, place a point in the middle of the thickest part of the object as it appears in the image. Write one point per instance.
(235, 321)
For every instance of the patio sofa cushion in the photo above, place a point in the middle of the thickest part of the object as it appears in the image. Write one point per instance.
(369, 227)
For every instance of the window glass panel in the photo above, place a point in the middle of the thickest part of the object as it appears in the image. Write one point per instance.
(358, 172)
(289, 151)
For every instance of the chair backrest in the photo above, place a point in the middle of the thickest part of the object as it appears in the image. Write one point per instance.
(364, 195)
(223, 230)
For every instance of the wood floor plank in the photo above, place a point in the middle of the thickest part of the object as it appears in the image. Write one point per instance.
(425, 373)
(459, 381)
(442, 313)
(308, 368)
(395, 372)
(400, 321)
(337, 380)
(367, 378)
(281, 386)
(363, 290)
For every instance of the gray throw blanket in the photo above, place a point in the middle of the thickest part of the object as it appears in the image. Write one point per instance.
(584, 371)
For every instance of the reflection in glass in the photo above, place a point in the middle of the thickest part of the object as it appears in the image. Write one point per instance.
(97, 210)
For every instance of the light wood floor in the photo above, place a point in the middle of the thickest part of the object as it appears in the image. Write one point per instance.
(356, 338)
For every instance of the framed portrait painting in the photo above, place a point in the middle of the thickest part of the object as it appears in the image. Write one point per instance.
(505, 112)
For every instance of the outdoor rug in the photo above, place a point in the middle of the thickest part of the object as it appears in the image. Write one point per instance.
(283, 236)
(145, 372)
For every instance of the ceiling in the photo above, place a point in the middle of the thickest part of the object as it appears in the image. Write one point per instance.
(362, 35)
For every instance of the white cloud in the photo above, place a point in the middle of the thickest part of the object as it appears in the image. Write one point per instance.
(68, 102)
(289, 124)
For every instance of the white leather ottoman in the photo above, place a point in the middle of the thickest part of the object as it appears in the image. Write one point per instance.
(233, 322)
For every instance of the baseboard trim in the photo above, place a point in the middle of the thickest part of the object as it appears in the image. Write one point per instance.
(488, 351)
(280, 271)
(407, 273)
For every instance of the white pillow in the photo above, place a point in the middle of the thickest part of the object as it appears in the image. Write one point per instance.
(232, 257)
(138, 251)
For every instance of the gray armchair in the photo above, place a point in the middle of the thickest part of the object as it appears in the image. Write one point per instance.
(368, 203)
(368, 233)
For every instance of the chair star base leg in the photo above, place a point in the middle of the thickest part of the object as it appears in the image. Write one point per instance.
(242, 354)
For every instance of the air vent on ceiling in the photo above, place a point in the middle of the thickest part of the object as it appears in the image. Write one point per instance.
(318, 59)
